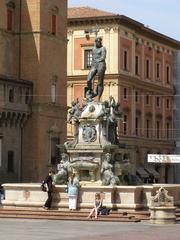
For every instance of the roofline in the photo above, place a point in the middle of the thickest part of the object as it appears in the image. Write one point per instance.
(121, 19)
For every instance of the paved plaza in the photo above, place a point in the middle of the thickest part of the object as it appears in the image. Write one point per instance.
(17, 229)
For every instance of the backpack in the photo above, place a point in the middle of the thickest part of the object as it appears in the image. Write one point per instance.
(43, 187)
(104, 211)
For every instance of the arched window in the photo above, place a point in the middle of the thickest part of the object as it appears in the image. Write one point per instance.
(54, 151)
(168, 73)
(27, 96)
(11, 95)
(54, 13)
(53, 89)
(10, 14)
(53, 24)
(125, 123)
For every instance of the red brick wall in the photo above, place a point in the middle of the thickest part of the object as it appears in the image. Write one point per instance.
(78, 92)
(78, 43)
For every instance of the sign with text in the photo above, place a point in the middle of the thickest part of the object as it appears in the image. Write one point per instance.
(163, 158)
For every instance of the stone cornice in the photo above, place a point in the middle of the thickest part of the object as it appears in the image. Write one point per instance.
(6, 79)
(138, 27)
(128, 80)
(13, 33)
(152, 142)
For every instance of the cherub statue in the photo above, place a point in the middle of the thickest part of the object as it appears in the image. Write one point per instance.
(74, 113)
(73, 118)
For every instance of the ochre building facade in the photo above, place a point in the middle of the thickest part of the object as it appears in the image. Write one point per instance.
(33, 69)
(139, 76)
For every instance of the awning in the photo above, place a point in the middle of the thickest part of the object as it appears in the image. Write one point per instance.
(151, 170)
(142, 172)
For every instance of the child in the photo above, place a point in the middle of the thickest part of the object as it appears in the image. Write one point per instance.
(97, 206)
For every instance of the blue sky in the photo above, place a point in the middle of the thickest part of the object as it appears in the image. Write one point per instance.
(160, 15)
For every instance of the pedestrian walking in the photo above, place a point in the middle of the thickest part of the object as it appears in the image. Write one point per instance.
(48, 183)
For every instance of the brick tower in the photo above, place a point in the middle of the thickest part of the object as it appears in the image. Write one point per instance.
(43, 61)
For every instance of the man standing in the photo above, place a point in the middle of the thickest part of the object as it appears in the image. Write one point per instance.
(98, 67)
(49, 188)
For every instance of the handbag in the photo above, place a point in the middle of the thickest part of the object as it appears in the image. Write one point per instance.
(43, 187)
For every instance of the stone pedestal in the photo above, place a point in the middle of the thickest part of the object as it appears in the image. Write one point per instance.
(95, 136)
(162, 208)
(163, 215)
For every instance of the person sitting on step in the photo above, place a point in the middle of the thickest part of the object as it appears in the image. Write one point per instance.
(97, 206)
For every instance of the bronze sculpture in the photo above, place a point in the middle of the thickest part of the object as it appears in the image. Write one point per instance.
(98, 67)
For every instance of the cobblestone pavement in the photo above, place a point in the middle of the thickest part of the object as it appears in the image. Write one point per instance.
(18, 229)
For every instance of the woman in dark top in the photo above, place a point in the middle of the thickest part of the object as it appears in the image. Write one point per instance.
(97, 205)
(49, 188)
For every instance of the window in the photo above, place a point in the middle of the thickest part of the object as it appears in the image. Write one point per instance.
(87, 58)
(125, 125)
(9, 19)
(158, 101)
(53, 24)
(125, 93)
(147, 68)
(11, 95)
(157, 71)
(53, 91)
(136, 96)
(137, 126)
(167, 130)
(147, 99)
(167, 103)
(167, 73)
(158, 129)
(55, 151)
(125, 60)
(10, 166)
(137, 65)
(27, 96)
(20, 95)
(147, 128)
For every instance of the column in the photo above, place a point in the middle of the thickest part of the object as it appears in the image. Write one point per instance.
(114, 51)
(133, 55)
(153, 117)
(133, 112)
(106, 43)
(153, 65)
(163, 117)
(142, 115)
(143, 64)
(70, 53)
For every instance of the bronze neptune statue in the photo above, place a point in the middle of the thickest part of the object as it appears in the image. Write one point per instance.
(98, 67)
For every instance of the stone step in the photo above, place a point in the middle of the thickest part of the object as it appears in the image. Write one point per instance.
(177, 210)
(70, 218)
(60, 215)
(143, 215)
